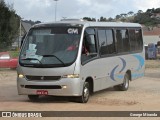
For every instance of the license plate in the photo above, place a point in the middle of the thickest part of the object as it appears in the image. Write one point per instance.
(42, 92)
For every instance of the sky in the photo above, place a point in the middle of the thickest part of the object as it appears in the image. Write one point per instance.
(44, 10)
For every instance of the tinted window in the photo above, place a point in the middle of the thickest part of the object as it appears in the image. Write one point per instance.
(106, 42)
(110, 42)
(89, 49)
(102, 41)
(122, 41)
(48, 48)
(138, 34)
(90, 43)
(133, 42)
(135, 37)
(90, 31)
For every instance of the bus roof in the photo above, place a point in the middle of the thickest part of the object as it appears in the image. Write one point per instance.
(88, 24)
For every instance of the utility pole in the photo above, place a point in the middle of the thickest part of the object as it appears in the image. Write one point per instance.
(55, 9)
(20, 33)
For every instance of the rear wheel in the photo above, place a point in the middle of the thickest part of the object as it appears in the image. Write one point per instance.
(85, 93)
(33, 97)
(125, 85)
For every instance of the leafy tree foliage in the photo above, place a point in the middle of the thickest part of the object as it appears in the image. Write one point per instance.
(147, 18)
(31, 22)
(89, 19)
(103, 19)
(9, 24)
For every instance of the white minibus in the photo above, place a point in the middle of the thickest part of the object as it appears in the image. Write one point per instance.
(78, 58)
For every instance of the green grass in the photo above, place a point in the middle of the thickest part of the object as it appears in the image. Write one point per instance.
(14, 54)
(152, 63)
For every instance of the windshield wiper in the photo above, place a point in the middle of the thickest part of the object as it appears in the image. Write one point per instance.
(55, 57)
(32, 59)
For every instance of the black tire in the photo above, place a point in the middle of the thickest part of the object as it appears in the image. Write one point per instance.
(33, 98)
(125, 85)
(85, 93)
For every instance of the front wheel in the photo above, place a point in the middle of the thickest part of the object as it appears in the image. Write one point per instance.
(85, 93)
(125, 85)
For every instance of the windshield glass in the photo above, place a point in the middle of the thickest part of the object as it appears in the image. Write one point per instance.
(50, 47)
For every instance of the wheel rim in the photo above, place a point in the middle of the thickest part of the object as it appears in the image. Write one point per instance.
(126, 82)
(86, 93)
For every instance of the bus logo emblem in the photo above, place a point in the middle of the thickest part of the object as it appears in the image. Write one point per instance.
(72, 31)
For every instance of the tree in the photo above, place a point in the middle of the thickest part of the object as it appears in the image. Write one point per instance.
(37, 22)
(32, 22)
(123, 15)
(148, 18)
(118, 17)
(130, 13)
(103, 19)
(157, 10)
(8, 25)
(87, 18)
(110, 19)
(150, 10)
(94, 19)
(140, 11)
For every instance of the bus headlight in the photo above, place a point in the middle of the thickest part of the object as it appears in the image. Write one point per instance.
(71, 76)
(20, 76)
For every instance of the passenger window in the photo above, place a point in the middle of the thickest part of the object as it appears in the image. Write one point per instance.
(122, 41)
(106, 42)
(89, 49)
(110, 42)
(135, 37)
(102, 42)
(90, 43)
(138, 34)
(133, 42)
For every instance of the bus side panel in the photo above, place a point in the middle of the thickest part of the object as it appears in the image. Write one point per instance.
(101, 71)
(138, 66)
(110, 71)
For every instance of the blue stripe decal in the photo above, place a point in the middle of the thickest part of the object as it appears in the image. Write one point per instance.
(113, 75)
(124, 64)
(120, 76)
(137, 75)
(141, 61)
(113, 72)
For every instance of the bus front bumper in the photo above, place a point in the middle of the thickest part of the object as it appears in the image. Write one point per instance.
(63, 87)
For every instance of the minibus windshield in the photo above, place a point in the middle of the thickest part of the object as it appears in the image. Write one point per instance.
(50, 47)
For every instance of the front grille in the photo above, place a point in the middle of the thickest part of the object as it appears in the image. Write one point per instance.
(30, 78)
(43, 87)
